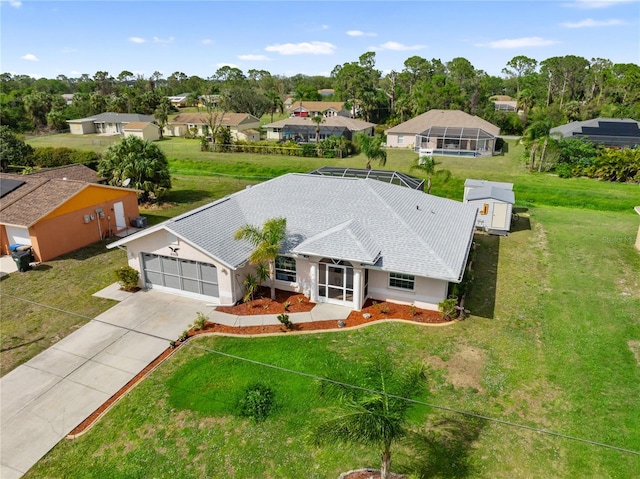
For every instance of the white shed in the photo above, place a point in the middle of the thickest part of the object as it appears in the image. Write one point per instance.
(495, 202)
(142, 129)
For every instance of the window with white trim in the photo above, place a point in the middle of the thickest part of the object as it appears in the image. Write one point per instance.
(402, 281)
(286, 269)
(400, 139)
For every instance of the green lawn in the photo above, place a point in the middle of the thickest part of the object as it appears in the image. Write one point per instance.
(555, 306)
(554, 314)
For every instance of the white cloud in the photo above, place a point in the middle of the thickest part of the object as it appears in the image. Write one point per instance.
(518, 43)
(230, 65)
(589, 22)
(13, 3)
(250, 57)
(398, 47)
(69, 50)
(74, 72)
(324, 27)
(592, 4)
(359, 33)
(30, 56)
(207, 41)
(163, 41)
(312, 48)
(137, 40)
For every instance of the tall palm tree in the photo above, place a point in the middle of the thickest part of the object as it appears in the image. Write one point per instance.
(537, 132)
(371, 146)
(375, 415)
(427, 166)
(275, 102)
(162, 114)
(267, 241)
(317, 119)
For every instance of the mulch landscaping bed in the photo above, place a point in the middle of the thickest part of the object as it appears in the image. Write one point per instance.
(371, 312)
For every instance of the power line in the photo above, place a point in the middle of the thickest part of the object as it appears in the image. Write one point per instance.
(343, 384)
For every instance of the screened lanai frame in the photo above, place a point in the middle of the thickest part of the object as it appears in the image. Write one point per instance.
(456, 141)
(393, 177)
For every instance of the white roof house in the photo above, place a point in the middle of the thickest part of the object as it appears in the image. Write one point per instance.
(348, 239)
(494, 201)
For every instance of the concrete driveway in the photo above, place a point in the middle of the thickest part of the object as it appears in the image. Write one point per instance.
(47, 397)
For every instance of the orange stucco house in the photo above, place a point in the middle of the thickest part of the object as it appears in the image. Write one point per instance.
(61, 210)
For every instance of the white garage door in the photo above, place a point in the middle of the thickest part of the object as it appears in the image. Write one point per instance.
(180, 274)
(18, 235)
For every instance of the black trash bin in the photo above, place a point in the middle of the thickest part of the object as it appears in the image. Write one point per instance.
(22, 259)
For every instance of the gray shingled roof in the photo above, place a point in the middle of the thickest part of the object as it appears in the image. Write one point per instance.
(350, 123)
(110, 117)
(361, 219)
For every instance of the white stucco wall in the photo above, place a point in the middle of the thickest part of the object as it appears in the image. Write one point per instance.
(408, 140)
(427, 294)
(82, 128)
(484, 222)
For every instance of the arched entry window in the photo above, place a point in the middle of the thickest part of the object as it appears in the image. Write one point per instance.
(335, 281)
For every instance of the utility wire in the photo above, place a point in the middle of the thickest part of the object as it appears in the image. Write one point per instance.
(343, 384)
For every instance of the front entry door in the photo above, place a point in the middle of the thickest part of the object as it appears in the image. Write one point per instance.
(335, 282)
(118, 212)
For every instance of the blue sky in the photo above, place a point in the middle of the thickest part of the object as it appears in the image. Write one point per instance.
(48, 38)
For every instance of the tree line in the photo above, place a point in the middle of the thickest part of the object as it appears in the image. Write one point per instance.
(558, 89)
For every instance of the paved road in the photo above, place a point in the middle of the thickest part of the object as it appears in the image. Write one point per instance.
(47, 397)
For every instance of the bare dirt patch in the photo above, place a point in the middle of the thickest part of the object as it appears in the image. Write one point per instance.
(465, 367)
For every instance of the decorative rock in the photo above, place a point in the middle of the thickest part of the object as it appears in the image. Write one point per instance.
(366, 315)
(341, 323)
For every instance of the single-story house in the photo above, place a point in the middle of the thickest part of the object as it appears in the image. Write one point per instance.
(143, 130)
(302, 129)
(504, 103)
(610, 132)
(494, 201)
(68, 98)
(318, 108)
(445, 132)
(60, 210)
(106, 123)
(179, 100)
(347, 239)
(242, 126)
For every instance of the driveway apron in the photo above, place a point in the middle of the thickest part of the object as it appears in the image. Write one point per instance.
(44, 399)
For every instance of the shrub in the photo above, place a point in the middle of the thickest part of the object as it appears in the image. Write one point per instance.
(448, 308)
(257, 402)
(309, 150)
(284, 319)
(199, 322)
(127, 277)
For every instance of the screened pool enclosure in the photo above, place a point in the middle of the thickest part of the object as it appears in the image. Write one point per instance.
(455, 141)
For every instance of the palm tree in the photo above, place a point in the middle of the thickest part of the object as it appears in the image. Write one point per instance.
(267, 241)
(375, 413)
(275, 102)
(162, 114)
(428, 167)
(371, 146)
(193, 99)
(536, 132)
(317, 119)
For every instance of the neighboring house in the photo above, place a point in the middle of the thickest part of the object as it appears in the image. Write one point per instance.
(348, 239)
(143, 130)
(242, 126)
(504, 103)
(445, 132)
(287, 103)
(318, 108)
(68, 98)
(106, 123)
(60, 210)
(179, 100)
(610, 132)
(302, 129)
(494, 201)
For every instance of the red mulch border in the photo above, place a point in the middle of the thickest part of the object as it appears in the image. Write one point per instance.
(383, 311)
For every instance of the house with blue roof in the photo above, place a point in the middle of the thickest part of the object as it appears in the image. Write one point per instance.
(348, 239)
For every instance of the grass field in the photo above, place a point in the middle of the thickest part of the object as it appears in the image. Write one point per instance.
(549, 345)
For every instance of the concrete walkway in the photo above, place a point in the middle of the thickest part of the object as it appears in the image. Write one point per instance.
(44, 399)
